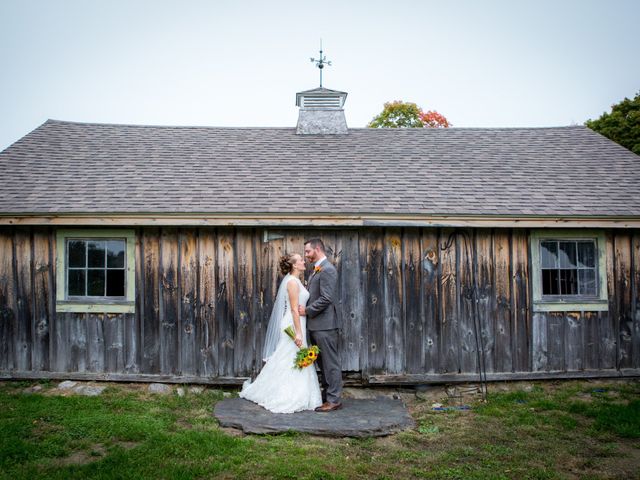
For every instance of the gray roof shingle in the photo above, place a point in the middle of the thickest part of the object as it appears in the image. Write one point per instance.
(68, 167)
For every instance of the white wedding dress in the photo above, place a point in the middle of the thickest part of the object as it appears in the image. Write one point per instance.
(281, 388)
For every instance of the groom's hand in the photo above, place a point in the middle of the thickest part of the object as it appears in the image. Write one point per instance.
(302, 311)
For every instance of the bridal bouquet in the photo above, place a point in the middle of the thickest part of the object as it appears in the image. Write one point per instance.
(305, 356)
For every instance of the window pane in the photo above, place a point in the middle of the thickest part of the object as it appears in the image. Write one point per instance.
(96, 253)
(567, 255)
(586, 254)
(550, 282)
(77, 253)
(568, 282)
(549, 251)
(587, 282)
(95, 284)
(115, 283)
(115, 253)
(76, 283)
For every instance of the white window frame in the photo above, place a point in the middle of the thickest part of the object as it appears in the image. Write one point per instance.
(572, 303)
(97, 304)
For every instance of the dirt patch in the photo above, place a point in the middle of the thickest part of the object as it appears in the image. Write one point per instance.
(616, 461)
(83, 457)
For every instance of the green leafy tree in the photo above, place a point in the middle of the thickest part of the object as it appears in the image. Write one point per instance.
(400, 114)
(622, 125)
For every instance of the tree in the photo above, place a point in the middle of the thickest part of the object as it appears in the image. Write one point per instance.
(433, 119)
(622, 125)
(399, 114)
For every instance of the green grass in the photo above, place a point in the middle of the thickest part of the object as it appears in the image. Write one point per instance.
(550, 431)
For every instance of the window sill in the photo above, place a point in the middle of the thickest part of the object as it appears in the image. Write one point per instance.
(95, 307)
(568, 306)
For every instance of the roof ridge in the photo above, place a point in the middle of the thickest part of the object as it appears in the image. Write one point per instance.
(212, 127)
(138, 125)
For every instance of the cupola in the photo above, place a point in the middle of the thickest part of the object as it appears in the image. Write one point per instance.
(321, 112)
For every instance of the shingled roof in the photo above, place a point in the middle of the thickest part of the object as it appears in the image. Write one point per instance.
(80, 168)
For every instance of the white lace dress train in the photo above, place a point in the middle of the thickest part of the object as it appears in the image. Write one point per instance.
(281, 388)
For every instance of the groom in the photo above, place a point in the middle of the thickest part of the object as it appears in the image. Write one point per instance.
(323, 321)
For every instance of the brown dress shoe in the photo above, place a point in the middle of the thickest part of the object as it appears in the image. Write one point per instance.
(329, 407)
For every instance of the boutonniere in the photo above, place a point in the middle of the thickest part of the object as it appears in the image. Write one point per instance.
(317, 269)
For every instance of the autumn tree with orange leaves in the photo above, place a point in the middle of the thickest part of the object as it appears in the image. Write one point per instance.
(399, 114)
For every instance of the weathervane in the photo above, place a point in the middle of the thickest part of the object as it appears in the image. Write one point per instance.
(321, 62)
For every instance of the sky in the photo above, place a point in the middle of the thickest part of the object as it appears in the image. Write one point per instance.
(491, 63)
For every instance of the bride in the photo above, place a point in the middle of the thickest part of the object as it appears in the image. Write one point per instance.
(280, 387)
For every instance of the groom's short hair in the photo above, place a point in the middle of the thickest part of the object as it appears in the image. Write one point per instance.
(315, 243)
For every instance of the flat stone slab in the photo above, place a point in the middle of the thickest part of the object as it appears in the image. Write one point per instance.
(357, 418)
(160, 388)
(67, 385)
(89, 391)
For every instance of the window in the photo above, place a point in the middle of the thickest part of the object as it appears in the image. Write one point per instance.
(568, 267)
(95, 271)
(569, 271)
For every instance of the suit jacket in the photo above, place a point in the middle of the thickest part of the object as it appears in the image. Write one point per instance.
(322, 313)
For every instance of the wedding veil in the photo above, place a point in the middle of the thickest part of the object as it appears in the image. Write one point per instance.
(280, 307)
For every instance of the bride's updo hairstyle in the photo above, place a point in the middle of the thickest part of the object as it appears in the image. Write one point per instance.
(286, 263)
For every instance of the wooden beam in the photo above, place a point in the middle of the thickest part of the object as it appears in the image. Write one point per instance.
(349, 378)
(320, 220)
(416, 379)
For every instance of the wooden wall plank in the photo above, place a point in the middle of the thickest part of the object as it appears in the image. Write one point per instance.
(72, 354)
(539, 342)
(591, 340)
(467, 321)
(207, 325)
(169, 309)
(244, 351)
(95, 344)
(225, 307)
(133, 323)
(450, 338)
(430, 295)
(607, 320)
(521, 305)
(485, 276)
(502, 253)
(415, 333)
(23, 326)
(394, 325)
(624, 319)
(555, 341)
(372, 261)
(113, 330)
(294, 243)
(150, 287)
(574, 341)
(188, 301)
(8, 307)
(354, 341)
(272, 250)
(265, 271)
(43, 299)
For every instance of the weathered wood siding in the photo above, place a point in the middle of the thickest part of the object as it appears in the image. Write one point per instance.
(421, 302)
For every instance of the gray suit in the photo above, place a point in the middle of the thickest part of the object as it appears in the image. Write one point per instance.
(323, 321)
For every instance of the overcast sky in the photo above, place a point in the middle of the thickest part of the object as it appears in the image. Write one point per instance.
(240, 63)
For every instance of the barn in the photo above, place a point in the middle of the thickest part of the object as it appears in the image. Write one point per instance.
(148, 253)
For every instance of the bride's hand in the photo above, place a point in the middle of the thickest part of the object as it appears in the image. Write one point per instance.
(298, 340)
